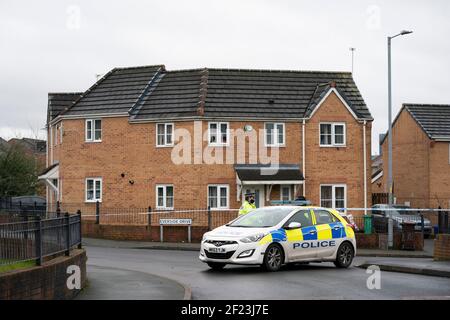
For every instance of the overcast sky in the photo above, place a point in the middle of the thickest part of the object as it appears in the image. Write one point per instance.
(58, 46)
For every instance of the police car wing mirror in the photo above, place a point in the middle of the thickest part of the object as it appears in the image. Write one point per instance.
(294, 225)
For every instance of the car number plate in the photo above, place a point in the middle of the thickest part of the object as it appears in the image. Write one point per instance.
(217, 250)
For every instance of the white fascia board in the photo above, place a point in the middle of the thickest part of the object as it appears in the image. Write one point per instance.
(269, 182)
(88, 116)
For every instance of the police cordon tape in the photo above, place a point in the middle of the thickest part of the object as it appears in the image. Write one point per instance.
(231, 210)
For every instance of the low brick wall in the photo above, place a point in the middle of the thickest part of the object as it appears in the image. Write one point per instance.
(48, 281)
(442, 247)
(379, 241)
(180, 234)
(141, 233)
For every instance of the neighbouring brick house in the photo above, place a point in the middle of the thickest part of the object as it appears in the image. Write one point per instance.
(115, 143)
(421, 157)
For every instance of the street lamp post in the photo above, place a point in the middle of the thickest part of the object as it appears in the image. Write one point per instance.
(404, 32)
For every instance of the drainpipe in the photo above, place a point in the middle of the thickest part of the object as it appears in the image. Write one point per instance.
(303, 158)
(365, 168)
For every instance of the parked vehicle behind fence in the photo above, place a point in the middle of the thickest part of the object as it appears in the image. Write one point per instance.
(399, 214)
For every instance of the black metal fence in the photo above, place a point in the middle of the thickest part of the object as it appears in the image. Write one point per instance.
(30, 237)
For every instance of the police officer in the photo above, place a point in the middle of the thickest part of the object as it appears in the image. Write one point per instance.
(248, 205)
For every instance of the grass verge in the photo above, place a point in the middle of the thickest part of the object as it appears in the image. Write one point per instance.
(16, 266)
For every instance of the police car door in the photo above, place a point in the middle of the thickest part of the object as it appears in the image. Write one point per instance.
(329, 232)
(298, 244)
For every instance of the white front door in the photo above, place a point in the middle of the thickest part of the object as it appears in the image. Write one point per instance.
(259, 194)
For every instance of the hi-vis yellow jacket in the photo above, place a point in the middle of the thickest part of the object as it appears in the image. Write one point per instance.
(246, 207)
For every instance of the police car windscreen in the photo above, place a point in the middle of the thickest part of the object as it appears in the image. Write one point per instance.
(262, 218)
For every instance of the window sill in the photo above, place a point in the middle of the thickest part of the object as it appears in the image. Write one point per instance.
(93, 201)
(332, 146)
(165, 146)
(220, 209)
(218, 145)
(275, 146)
(93, 141)
(164, 208)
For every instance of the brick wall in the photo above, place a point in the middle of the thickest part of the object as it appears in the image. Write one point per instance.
(43, 282)
(130, 149)
(410, 148)
(142, 233)
(421, 168)
(343, 165)
(442, 247)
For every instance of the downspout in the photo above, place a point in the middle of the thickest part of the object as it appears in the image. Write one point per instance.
(365, 167)
(303, 157)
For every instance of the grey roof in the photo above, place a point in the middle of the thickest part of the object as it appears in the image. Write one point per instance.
(58, 102)
(275, 94)
(260, 172)
(152, 92)
(171, 95)
(116, 92)
(433, 118)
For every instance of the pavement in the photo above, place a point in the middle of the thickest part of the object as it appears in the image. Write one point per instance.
(106, 283)
(423, 266)
(118, 270)
(427, 253)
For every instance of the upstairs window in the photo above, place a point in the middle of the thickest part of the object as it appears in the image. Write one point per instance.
(218, 133)
(218, 196)
(164, 196)
(274, 134)
(93, 189)
(332, 134)
(93, 130)
(164, 135)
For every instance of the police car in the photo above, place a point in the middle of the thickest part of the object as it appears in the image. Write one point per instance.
(277, 235)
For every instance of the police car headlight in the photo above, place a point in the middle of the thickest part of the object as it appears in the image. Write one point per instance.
(254, 238)
(204, 236)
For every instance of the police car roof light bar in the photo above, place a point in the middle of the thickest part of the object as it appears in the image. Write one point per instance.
(291, 202)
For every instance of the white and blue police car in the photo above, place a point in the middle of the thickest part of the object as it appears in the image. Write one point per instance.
(277, 235)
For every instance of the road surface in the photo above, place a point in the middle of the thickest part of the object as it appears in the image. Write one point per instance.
(314, 281)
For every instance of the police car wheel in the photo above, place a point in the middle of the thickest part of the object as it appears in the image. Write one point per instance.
(344, 256)
(273, 258)
(216, 265)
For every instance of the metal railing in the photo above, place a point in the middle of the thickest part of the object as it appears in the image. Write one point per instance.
(26, 238)
(199, 217)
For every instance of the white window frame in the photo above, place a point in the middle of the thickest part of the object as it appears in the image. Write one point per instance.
(217, 143)
(94, 194)
(165, 144)
(333, 193)
(92, 139)
(281, 191)
(333, 135)
(275, 143)
(164, 187)
(218, 187)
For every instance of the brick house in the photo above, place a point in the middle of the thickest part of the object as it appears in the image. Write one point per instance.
(421, 157)
(119, 142)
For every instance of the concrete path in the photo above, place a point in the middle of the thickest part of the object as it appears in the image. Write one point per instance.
(411, 265)
(105, 283)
